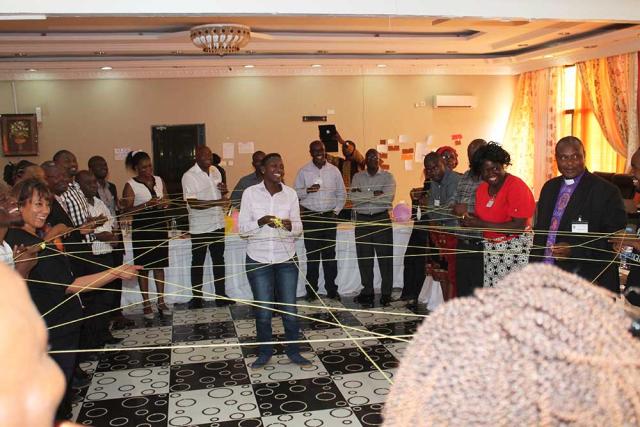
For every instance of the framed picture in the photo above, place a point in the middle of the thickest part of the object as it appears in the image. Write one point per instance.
(19, 134)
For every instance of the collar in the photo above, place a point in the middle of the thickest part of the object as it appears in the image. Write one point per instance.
(313, 165)
(195, 169)
(575, 180)
(263, 187)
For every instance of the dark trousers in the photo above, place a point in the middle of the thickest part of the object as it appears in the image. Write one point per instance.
(200, 243)
(320, 244)
(470, 266)
(415, 262)
(97, 303)
(274, 283)
(374, 236)
(116, 285)
(67, 363)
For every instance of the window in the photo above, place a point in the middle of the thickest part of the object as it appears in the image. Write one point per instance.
(578, 120)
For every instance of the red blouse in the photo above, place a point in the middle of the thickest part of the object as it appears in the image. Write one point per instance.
(514, 200)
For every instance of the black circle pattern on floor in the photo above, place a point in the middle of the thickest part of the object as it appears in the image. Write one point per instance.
(203, 331)
(133, 359)
(196, 376)
(351, 360)
(298, 396)
(132, 411)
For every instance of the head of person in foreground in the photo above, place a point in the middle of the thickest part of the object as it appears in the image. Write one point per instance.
(544, 347)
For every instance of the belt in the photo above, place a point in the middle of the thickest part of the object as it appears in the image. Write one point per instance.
(316, 212)
(372, 215)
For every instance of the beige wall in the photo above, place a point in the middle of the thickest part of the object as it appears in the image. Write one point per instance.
(92, 117)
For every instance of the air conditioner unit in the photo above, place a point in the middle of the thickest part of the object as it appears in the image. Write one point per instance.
(458, 101)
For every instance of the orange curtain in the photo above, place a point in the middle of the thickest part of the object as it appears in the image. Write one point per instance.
(600, 155)
(535, 125)
(605, 83)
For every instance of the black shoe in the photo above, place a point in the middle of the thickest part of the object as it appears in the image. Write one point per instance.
(224, 302)
(88, 357)
(310, 297)
(112, 340)
(78, 372)
(366, 300)
(120, 322)
(262, 360)
(386, 300)
(334, 296)
(298, 359)
(80, 382)
(195, 303)
(412, 304)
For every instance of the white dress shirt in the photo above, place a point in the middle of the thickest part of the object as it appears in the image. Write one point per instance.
(99, 208)
(269, 245)
(330, 197)
(199, 185)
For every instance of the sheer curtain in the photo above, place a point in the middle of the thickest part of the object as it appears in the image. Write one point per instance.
(535, 125)
(609, 92)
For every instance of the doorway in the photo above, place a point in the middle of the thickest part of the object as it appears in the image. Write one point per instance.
(174, 152)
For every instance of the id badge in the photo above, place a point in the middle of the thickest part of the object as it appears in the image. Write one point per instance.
(436, 203)
(580, 226)
(490, 203)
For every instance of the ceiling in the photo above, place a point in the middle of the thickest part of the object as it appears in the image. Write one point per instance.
(159, 46)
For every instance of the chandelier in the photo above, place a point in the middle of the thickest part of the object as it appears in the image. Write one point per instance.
(220, 39)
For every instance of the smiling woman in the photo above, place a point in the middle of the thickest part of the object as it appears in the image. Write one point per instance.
(504, 208)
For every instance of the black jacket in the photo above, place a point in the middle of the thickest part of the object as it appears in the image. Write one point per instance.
(594, 200)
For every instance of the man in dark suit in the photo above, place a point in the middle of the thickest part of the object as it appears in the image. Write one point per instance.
(575, 213)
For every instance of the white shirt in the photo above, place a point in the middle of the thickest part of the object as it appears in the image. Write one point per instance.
(197, 184)
(330, 197)
(269, 245)
(99, 208)
(6, 254)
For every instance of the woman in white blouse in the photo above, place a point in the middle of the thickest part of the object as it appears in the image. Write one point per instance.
(145, 199)
(270, 220)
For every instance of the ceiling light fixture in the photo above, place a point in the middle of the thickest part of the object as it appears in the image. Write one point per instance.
(249, 66)
(381, 65)
(548, 56)
(316, 66)
(220, 39)
(32, 70)
(106, 68)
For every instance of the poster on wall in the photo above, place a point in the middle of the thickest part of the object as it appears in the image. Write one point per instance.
(19, 134)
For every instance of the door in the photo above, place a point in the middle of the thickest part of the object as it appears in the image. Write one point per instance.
(174, 152)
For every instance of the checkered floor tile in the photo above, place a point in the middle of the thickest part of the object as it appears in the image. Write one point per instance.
(205, 379)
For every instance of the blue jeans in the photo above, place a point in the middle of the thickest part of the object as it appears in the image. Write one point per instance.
(274, 283)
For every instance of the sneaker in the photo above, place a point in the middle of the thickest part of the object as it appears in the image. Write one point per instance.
(262, 360)
(298, 359)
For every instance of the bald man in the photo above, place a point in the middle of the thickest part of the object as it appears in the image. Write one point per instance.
(32, 384)
(575, 213)
(204, 192)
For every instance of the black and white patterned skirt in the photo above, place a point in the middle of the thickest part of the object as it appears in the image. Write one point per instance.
(503, 257)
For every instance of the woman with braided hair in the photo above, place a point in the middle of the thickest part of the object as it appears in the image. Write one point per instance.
(544, 348)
